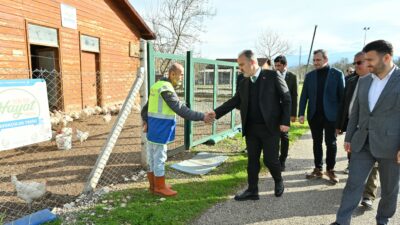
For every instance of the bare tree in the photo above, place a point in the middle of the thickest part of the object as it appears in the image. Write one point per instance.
(178, 25)
(397, 61)
(342, 64)
(270, 44)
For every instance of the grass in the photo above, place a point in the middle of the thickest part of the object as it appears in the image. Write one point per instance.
(2, 217)
(196, 193)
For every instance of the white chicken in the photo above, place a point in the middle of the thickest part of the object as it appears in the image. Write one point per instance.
(119, 107)
(64, 141)
(104, 110)
(66, 119)
(87, 112)
(97, 110)
(57, 113)
(113, 109)
(75, 115)
(107, 118)
(82, 136)
(28, 191)
(54, 121)
(66, 130)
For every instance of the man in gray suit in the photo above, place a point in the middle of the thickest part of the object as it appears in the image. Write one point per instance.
(373, 134)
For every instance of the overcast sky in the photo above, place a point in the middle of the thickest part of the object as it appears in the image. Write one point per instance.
(340, 25)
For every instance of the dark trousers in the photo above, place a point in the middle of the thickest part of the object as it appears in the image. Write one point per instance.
(284, 146)
(259, 138)
(318, 125)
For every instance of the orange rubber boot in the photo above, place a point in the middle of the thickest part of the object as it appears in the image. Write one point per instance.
(161, 189)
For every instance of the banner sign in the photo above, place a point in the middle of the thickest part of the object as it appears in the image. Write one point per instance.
(24, 113)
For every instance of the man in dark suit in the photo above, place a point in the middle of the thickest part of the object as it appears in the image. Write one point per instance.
(264, 102)
(373, 134)
(346, 105)
(291, 81)
(323, 90)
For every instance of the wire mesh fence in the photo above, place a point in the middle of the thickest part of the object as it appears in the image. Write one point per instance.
(62, 165)
(213, 86)
(214, 83)
(203, 98)
(162, 65)
(83, 106)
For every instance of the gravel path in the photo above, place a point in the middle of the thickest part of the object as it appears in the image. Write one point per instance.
(305, 202)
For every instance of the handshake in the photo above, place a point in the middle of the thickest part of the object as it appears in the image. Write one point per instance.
(209, 117)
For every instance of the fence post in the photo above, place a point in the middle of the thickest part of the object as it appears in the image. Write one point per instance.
(143, 97)
(215, 91)
(112, 138)
(189, 95)
(233, 116)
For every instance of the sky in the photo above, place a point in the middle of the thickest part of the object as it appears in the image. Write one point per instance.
(238, 23)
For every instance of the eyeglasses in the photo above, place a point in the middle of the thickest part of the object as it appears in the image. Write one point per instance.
(357, 63)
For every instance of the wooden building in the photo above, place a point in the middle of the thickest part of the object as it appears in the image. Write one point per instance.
(86, 50)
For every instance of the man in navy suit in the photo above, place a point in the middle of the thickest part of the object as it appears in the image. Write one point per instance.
(323, 90)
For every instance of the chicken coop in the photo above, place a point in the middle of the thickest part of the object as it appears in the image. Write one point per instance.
(87, 51)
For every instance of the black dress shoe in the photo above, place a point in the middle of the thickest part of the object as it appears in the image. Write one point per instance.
(335, 223)
(247, 195)
(279, 188)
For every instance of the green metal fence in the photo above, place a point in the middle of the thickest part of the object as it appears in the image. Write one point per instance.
(207, 84)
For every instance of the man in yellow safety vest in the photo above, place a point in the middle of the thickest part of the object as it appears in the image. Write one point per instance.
(159, 121)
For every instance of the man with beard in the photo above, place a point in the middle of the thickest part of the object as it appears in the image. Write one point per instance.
(373, 134)
(345, 108)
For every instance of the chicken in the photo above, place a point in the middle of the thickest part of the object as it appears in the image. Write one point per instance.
(113, 109)
(58, 114)
(54, 121)
(87, 112)
(74, 115)
(119, 107)
(28, 191)
(66, 131)
(66, 119)
(107, 118)
(97, 110)
(82, 136)
(64, 141)
(104, 110)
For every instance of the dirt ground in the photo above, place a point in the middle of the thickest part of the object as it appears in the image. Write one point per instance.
(66, 171)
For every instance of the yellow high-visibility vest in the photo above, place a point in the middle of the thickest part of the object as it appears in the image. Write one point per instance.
(161, 118)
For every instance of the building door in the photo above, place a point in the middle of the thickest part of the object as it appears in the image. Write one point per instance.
(45, 65)
(90, 79)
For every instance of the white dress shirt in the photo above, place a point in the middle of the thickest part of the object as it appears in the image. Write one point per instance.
(376, 88)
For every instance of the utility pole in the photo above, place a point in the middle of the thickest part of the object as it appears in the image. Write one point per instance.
(312, 43)
(300, 57)
(365, 33)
